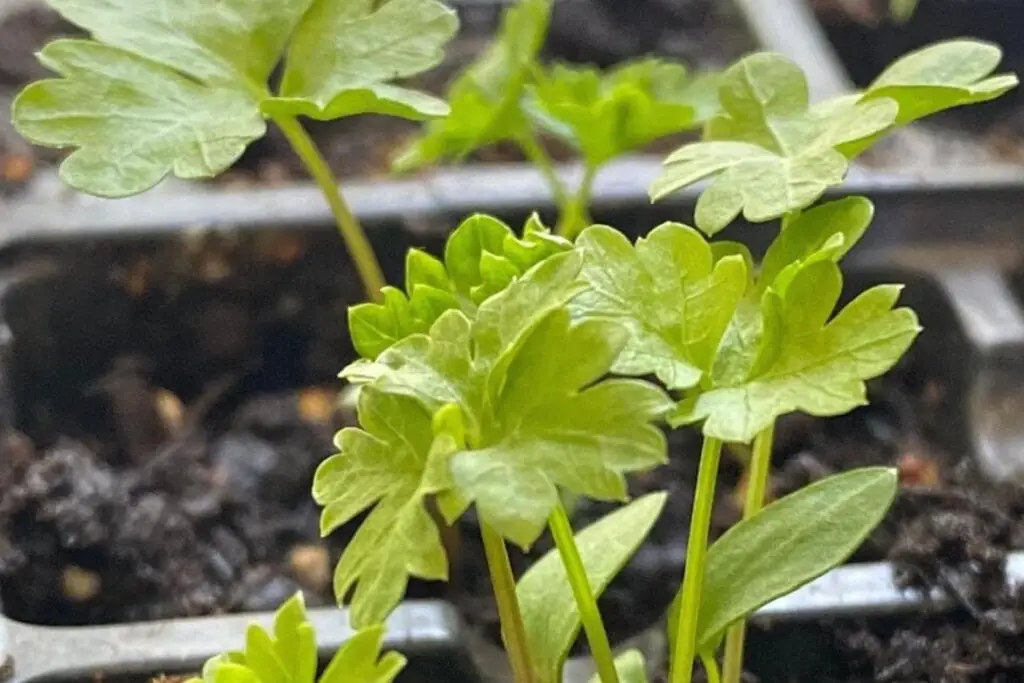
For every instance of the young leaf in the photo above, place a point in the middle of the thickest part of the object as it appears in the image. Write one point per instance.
(669, 293)
(771, 152)
(482, 257)
(533, 415)
(804, 362)
(630, 666)
(788, 544)
(345, 54)
(949, 74)
(550, 614)
(177, 87)
(606, 115)
(809, 232)
(485, 99)
(290, 655)
(387, 464)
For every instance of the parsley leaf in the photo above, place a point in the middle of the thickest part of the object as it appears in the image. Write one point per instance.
(674, 299)
(289, 655)
(485, 99)
(606, 115)
(523, 410)
(770, 150)
(345, 53)
(178, 87)
(803, 361)
(482, 257)
(386, 464)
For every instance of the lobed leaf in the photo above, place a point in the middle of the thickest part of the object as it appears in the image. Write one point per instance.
(801, 360)
(788, 544)
(606, 115)
(345, 54)
(551, 616)
(289, 655)
(482, 257)
(769, 151)
(386, 465)
(669, 292)
(526, 410)
(181, 87)
(485, 99)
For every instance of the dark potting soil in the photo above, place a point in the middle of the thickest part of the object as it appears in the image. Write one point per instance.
(867, 41)
(703, 33)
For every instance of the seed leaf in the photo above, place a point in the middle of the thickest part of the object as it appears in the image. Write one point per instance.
(387, 464)
(550, 614)
(289, 655)
(485, 99)
(668, 291)
(801, 360)
(345, 54)
(788, 544)
(630, 666)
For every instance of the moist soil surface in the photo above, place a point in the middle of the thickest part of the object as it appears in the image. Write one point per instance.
(703, 33)
(867, 41)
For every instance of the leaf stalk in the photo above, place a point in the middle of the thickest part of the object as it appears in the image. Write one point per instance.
(597, 637)
(348, 225)
(696, 556)
(513, 633)
(757, 485)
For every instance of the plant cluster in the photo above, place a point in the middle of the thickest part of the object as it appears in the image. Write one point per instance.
(518, 368)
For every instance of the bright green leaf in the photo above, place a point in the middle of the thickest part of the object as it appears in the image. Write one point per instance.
(482, 257)
(289, 655)
(790, 543)
(550, 614)
(941, 76)
(805, 362)
(668, 292)
(808, 232)
(606, 115)
(345, 54)
(770, 151)
(485, 99)
(565, 435)
(630, 666)
(386, 465)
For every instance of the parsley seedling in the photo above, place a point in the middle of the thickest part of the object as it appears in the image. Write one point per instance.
(289, 655)
(183, 87)
(772, 154)
(508, 95)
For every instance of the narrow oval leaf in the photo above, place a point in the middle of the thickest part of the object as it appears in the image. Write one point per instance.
(790, 543)
(550, 614)
(630, 666)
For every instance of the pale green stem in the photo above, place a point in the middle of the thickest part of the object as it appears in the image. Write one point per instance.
(513, 633)
(696, 554)
(757, 485)
(711, 667)
(600, 647)
(576, 214)
(348, 225)
(538, 156)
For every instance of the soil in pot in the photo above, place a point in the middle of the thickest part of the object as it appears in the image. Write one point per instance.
(867, 41)
(704, 33)
(174, 399)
